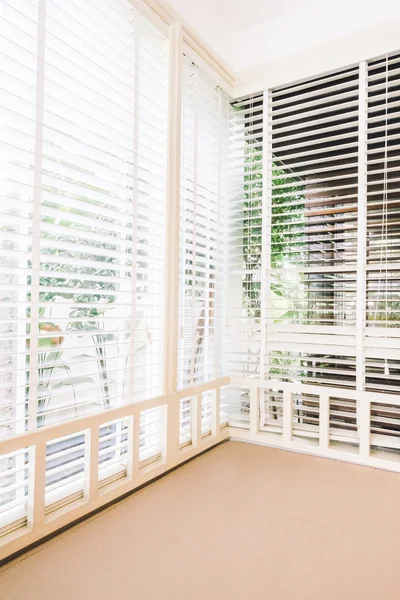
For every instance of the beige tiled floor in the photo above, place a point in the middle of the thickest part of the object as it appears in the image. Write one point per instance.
(241, 522)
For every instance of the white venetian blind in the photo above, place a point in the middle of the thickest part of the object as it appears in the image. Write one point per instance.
(82, 227)
(382, 340)
(19, 50)
(293, 245)
(311, 302)
(245, 229)
(311, 316)
(202, 280)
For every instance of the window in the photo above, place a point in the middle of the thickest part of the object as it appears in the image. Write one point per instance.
(311, 302)
(383, 256)
(382, 344)
(246, 235)
(84, 125)
(314, 257)
(204, 156)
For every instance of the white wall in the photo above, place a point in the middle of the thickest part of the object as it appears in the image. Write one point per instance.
(317, 57)
(308, 26)
(267, 45)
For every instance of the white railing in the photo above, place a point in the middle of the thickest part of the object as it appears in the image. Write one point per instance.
(344, 424)
(58, 474)
(52, 484)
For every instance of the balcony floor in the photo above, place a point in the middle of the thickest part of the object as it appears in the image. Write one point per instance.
(240, 522)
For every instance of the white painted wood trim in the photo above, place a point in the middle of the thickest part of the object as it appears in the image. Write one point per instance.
(361, 227)
(39, 526)
(36, 220)
(317, 60)
(321, 59)
(319, 444)
(266, 227)
(287, 415)
(194, 45)
(273, 441)
(91, 481)
(52, 432)
(254, 411)
(216, 412)
(173, 209)
(364, 426)
(324, 421)
(25, 536)
(37, 483)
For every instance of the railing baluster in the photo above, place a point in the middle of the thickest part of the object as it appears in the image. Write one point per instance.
(35, 442)
(136, 446)
(91, 474)
(323, 420)
(254, 411)
(130, 448)
(287, 415)
(196, 419)
(216, 411)
(171, 424)
(37, 485)
(364, 425)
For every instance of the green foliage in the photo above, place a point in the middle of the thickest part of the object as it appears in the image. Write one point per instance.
(287, 245)
(86, 282)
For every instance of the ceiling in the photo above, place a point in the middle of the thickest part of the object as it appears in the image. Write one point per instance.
(248, 33)
(241, 15)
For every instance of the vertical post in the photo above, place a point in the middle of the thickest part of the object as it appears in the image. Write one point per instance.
(18, 381)
(364, 426)
(134, 216)
(194, 328)
(216, 316)
(266, 229)
(91, 483)
(165, 436)
(37, 485)
(216, 412)
(324, 420)
(172, 430)
(236, 325)
(254, 411)
(287, 416)
(36, 212)
(361, 229)
(130, 447)
(196, 420)
(173, 209)
(135, 447)
(361, 237)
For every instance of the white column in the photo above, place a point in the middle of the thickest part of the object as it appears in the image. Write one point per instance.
(361, 252)
(266, 229)
(133, 307)
(91, 473)
(37, 485)
(324, 420)
(36, 211)
(287, 415)
(173, 210)
(254, 410)
(361, 229)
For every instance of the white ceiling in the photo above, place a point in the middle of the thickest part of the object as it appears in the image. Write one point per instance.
(245, 14)
(248, 33)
